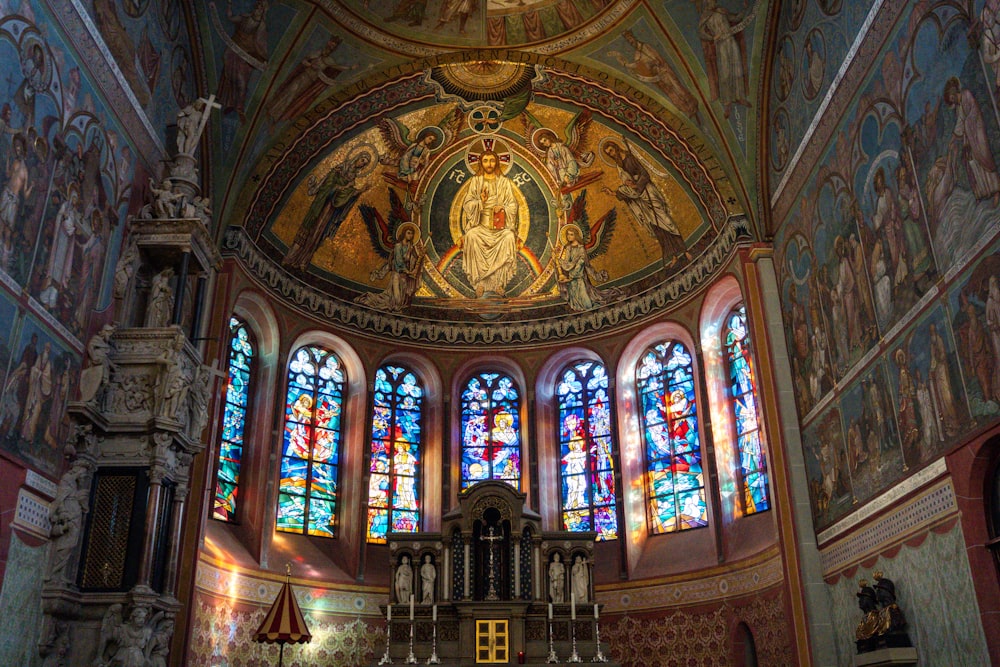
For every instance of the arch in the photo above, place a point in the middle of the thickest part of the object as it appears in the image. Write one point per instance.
(719, 304)
(744, 646)
(472, 419)
(397, 448)
(319, 462)
(241, 361)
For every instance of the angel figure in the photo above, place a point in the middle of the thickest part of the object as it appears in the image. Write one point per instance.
(578, 242)
(411, 157)
(398, 243)
(564, 158)
(127, 642)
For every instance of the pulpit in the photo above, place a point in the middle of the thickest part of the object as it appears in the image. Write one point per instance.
(493, 599)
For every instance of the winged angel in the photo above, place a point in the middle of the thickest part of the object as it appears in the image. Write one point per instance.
(411, 156)
(578, 242)
(137, 642)
(564, 159)
(397, 242)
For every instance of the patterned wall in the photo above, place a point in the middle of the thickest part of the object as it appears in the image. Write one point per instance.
(886, 267)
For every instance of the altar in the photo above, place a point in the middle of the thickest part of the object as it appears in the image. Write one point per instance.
(492, 588)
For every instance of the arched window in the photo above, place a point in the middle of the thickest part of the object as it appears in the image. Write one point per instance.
(587, 470)
(307, 495)
(743, 399)
(396, 453)
(669, 418)
(491, 430)
(234, 420)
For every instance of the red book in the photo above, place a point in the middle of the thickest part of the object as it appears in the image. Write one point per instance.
(499, 219)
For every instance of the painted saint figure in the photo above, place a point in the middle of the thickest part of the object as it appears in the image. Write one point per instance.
(646, 203)
(403, 266)
(248, 44)
(490, 216)
(335, 195)
(720, 33)
(969, 141)
(648, 66)
(305, 83)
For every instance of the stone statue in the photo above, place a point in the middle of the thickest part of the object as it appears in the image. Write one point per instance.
(164, 200)
(125, 269)
(94, 379)
(126, 641)
(404, 580)
(428, 574)
(557, 579)
(159, 309)
(191, 121)
(173, 380)
(159, 644)
(66, 517)
(580, 579)
(198, 401)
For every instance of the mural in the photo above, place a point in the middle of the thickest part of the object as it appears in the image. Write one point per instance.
(462, 211)
(881, 285)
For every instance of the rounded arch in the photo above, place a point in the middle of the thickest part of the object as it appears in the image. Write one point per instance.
(547, 426)
(720, 299)
(642, 555)
(432, 430)
(491, 363)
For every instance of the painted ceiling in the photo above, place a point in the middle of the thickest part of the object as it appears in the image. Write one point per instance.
(351, 135)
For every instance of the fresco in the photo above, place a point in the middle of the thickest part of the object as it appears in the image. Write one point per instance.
(42, 379)
(150, 48)
(827, 469)
(814, 37)
(876, 260)
(447, 212)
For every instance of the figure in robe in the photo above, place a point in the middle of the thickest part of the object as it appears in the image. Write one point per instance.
(304, 85)
(970, 144)
(721, 34)
(939, 379)
(335, 195)
(490, 217)
(247, 45)
(648, 66)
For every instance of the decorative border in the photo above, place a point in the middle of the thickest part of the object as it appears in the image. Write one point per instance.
(936, 504)
(260, 589)
(876, 505)
(752, 578)
(236, 243)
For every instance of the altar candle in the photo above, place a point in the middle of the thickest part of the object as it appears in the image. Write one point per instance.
(550, 611)
(595, 612)
(572, 606)
(434, 613)
(388, 612)
(411, 606)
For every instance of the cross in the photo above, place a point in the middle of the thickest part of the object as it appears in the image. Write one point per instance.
(491, 540)
(210, 104)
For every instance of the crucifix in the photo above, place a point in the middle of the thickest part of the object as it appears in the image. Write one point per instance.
(491, 541)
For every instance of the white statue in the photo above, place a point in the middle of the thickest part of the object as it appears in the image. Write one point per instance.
(66, 517)
(404, 580)
(557, 579)
(191, 121)
(580, 578)
(94, 379)
(428, 574)
(159, 309)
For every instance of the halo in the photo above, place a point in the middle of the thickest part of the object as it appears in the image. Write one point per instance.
(537, 134)
(28, 42)
(493, 144)
(372, 157)
(565, 228)
(408, 225)
(438, 136)
(600, 149)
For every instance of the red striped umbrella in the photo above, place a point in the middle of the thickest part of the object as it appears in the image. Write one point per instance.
(284, 623)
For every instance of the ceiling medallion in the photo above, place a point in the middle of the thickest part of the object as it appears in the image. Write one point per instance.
(483, 80)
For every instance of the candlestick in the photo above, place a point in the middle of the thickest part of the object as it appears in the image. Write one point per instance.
(572, 606)
(596, 615)
(550, 611)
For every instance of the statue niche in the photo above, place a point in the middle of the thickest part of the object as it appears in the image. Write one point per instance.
(492, 574)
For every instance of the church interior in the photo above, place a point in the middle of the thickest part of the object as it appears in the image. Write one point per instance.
(654, 332)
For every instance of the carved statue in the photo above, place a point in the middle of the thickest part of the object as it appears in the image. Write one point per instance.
(159, 645)
(94, 379)
(159, 310)
(164, 199)
(131, 643)
(173, 380)
(869, 606)
(428, 574)
(66, 517)
(191, 121)
(557, 579)
(580, 578)
(404, 580)
(198, 401)
(125, 269)
(54, 644)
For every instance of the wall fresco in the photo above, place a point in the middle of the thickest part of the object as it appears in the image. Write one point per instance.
(903, 201)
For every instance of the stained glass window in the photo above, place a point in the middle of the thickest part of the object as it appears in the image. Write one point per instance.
(669, 417)
(743, 398)
(307, 492)
(393, 488)
(587, 470)
(491, 430)
(234, 420)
